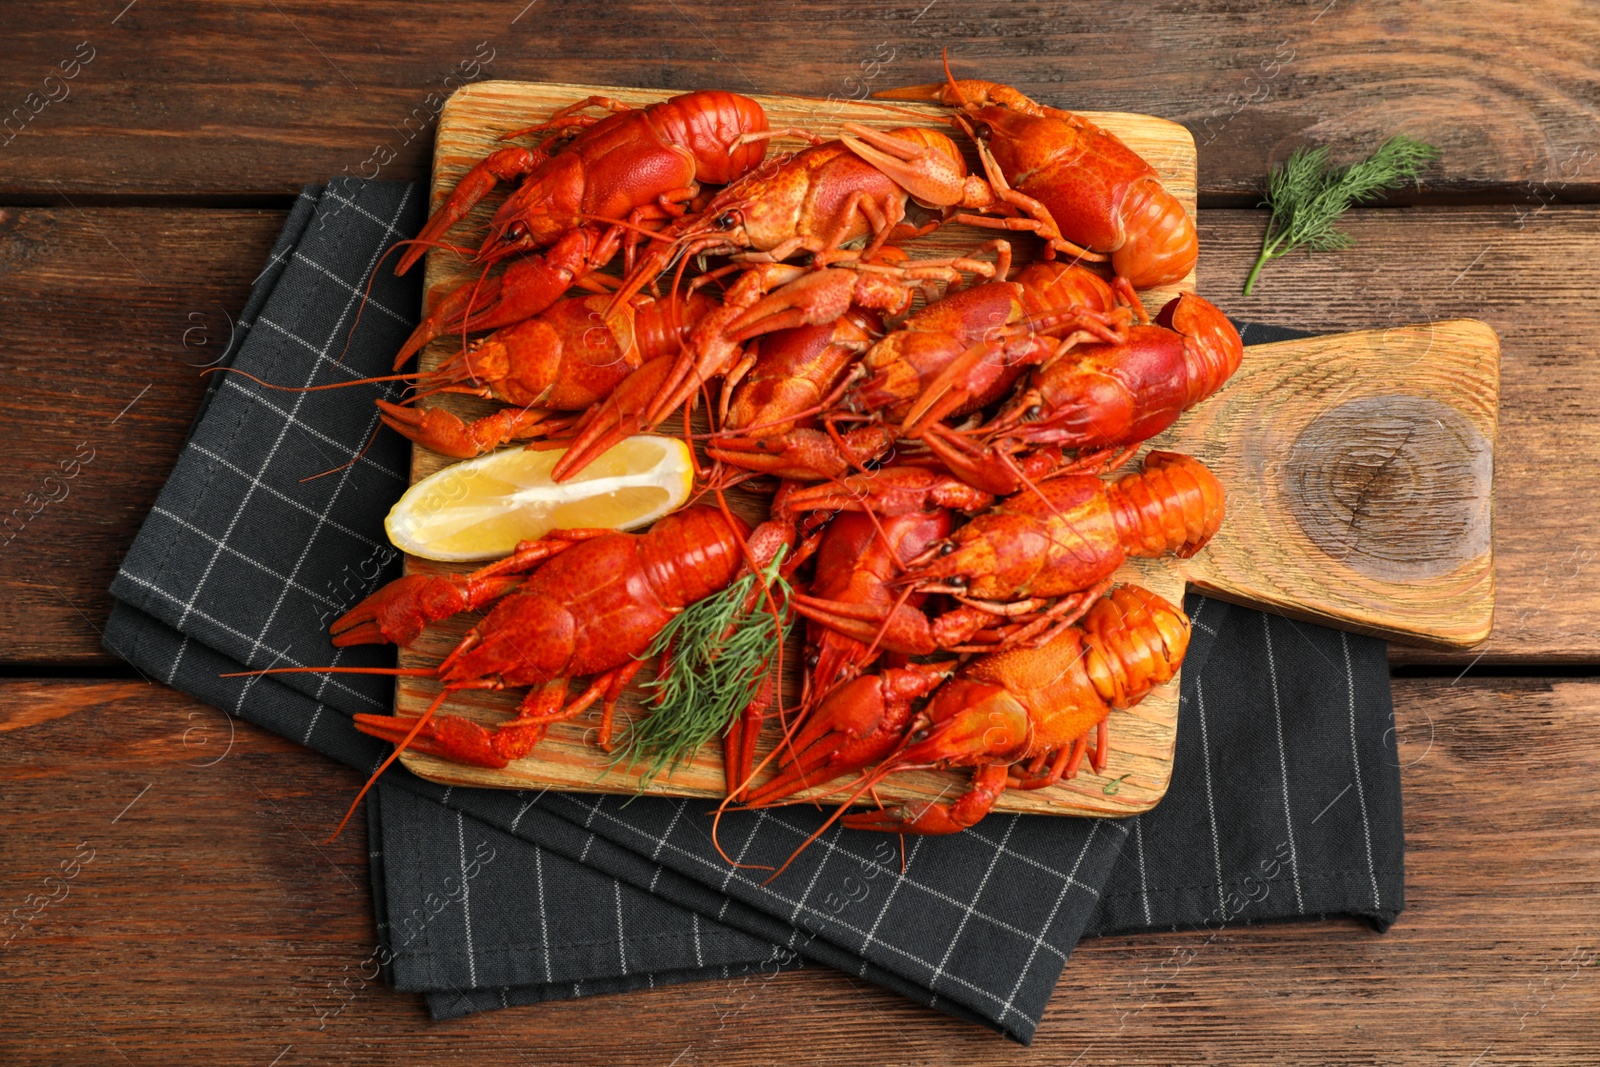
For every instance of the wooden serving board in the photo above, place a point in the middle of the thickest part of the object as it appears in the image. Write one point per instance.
(1357, 469)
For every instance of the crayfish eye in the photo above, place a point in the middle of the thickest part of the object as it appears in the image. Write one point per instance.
(813, 659)
(1033, 412)
(727, 220)
(516, 231)
(959, 581)
(946, 548)
(920, 735)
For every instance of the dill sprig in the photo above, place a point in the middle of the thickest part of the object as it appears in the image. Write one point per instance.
(1307, 196)
(718, 652)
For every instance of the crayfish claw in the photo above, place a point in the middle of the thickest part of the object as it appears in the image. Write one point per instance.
(443, 432)
(857, 724)
(506, 164)
(448, 737)
(925, 163)
(397, 613)
(936, 818)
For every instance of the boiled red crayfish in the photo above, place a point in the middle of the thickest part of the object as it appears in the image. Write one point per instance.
(716, 345)
(1102, 397)
(578, 355)
(823, 373)
(816, 201)
(1037, 707)
(857, 558)
(570, 357)
(813, 202)
(788, 379)
(1025, 569)
(575, 603)
(1059, 175)
(581, 195)
(1022, 718)
(954, 355)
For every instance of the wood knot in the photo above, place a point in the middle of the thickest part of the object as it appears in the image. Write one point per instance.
(1395, 486)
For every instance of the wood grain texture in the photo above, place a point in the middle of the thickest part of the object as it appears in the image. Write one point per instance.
(106, 318)
(257, 97)
(213, 927)
(1529, 273)
(1358, 468)
(1137, 773)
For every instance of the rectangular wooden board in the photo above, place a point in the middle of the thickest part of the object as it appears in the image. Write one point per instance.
(1143, 738)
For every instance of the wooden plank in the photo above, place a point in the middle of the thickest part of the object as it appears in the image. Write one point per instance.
(106, 317)
(218, 871)
(1135, 776)
(1529, 274)
(170, 104)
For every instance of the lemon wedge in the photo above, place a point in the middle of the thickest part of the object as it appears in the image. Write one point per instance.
(480, 508)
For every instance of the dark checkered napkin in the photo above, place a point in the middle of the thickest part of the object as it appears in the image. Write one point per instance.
(1285, 800)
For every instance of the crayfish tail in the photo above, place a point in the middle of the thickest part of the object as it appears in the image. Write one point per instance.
(1173, 505)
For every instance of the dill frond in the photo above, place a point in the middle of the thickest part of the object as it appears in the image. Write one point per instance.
(716, 654)
(1307, 195)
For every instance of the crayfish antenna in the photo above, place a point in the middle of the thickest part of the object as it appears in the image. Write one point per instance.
(466, 316)
(719, 477)
(950, 78)
(716, 821)
(869, 781)
(393, 672)
(878, 98)
(352, 461)
(366, 294)
(684, 244)
(422, 720)
(716, 816)
(930, 91)
(311, 388)
(624, 224)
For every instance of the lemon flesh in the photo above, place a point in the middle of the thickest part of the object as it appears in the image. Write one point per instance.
(480, 508)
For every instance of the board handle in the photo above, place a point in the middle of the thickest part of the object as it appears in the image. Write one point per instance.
(1359, 470)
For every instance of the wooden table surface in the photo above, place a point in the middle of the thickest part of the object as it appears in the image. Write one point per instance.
(138, 198)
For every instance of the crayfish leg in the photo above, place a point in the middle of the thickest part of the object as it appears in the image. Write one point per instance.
(462, 740)
(566, 117)
(1033, 779)
(935, 818)
(442, 431)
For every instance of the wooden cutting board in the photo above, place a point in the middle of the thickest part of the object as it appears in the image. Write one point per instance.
(1357, 469)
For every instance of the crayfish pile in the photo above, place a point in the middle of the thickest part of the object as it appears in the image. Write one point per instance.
(945, 439)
